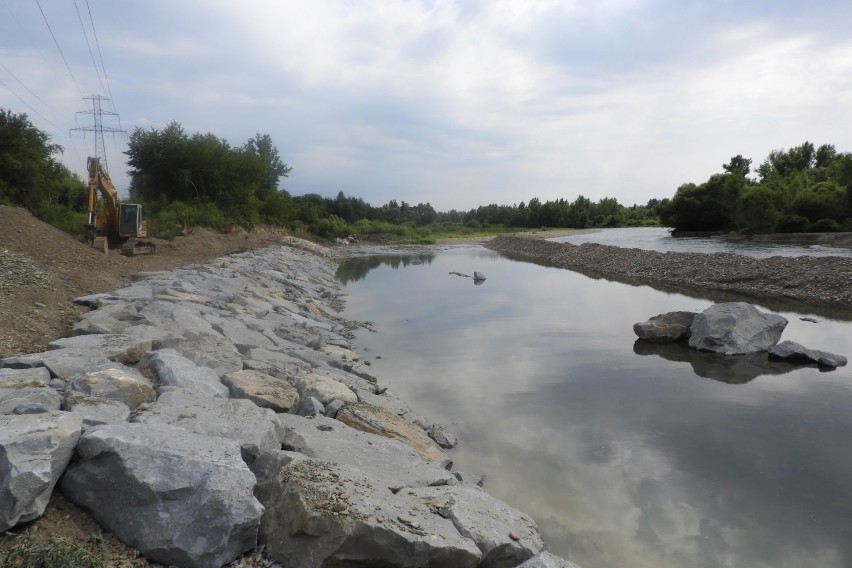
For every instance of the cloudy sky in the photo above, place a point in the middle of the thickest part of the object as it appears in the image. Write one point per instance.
(459, 103)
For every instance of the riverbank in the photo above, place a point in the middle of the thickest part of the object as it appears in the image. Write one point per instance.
(545, 234)
(824, 283)
(232, 385)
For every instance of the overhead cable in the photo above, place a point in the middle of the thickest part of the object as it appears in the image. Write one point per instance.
(8, 88)
(21, 83)
(89, 45)
(62, 55)
(100, 55)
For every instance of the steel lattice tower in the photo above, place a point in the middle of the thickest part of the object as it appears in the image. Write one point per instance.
(98, 128)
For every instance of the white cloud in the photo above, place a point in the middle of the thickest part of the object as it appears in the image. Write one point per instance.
(463, 104)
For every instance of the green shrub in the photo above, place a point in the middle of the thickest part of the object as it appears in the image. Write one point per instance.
(792, 224)
(825, 226)
(64, 218)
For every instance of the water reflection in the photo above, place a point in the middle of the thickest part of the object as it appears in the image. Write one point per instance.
(774, 304)
(356, 268)
(621, 458)
(734, 370)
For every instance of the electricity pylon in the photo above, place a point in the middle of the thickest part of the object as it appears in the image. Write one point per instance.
(98, 128)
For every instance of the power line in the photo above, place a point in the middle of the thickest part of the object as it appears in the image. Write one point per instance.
(21, 83)
(89, 45)
(100, 55)
(60, 49)
(8, 88)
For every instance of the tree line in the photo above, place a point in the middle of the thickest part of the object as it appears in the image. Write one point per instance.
(186, 180)
(797, 190)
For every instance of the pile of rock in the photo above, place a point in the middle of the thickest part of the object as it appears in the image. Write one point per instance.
(733, 328)
(198, 412)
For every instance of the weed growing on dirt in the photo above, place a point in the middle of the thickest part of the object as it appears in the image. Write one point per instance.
(29, 551)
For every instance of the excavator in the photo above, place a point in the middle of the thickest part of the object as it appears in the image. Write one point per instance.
(120, 224)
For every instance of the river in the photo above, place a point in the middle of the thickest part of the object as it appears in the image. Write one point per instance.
(625, 455)
(659, 239)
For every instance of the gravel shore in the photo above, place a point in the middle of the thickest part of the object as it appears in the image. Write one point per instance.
(813, 284)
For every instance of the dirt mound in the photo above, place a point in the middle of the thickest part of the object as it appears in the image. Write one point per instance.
(42, 269)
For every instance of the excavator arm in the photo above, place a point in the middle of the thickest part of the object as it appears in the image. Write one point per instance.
(99, 182)
(120, 223)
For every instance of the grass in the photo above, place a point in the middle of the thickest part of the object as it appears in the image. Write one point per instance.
(29, 551)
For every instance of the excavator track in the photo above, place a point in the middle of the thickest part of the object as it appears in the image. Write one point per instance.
(134, 247)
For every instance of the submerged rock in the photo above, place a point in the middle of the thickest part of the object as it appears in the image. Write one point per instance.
(794, 352)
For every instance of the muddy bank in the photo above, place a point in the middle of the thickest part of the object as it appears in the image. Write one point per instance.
(817, 284)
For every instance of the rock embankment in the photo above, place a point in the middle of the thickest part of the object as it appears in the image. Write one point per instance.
(821, 281)
(201, 412)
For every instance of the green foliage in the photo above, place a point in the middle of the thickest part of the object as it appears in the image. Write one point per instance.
(792, 223)
(801, 189)
(30, 551)
(203, 169)
(30, 176)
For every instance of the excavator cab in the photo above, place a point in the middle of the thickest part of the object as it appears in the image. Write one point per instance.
(130, 220)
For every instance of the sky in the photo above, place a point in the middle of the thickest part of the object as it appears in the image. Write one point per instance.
(454, 103)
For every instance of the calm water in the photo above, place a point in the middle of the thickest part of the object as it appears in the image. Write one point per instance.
(624, 455)
(659, 239)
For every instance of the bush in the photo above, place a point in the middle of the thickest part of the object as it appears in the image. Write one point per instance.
(825, 226)
(64, 218)
(792, 224)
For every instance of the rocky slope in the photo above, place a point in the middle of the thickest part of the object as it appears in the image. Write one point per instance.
(198, 412)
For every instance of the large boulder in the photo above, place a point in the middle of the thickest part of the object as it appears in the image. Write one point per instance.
(96, 411)
(505, 536)
(175, 370)
(665, 328)
(115, 382)
(126, 347)
(254, 428)
(321, 514)
(27, 390)
(64, 364)
(376, 420)
(389, 463)
(798, 353)
(323, 388)
(178, 497)
(735, 328)
(262, 389)
(547, 560)
(34, 451)
(216, 353)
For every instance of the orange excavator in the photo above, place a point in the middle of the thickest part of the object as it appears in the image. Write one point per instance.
(120, 224)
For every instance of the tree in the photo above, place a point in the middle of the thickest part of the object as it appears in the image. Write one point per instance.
(273, 168)
(738, 165)
(30, 176)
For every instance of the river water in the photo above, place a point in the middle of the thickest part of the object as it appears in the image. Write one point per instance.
(659, 239)
(624, 454)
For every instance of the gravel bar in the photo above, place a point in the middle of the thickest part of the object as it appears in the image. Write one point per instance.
(815, 284)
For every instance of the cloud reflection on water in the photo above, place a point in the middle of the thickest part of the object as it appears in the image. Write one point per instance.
(623, 459)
